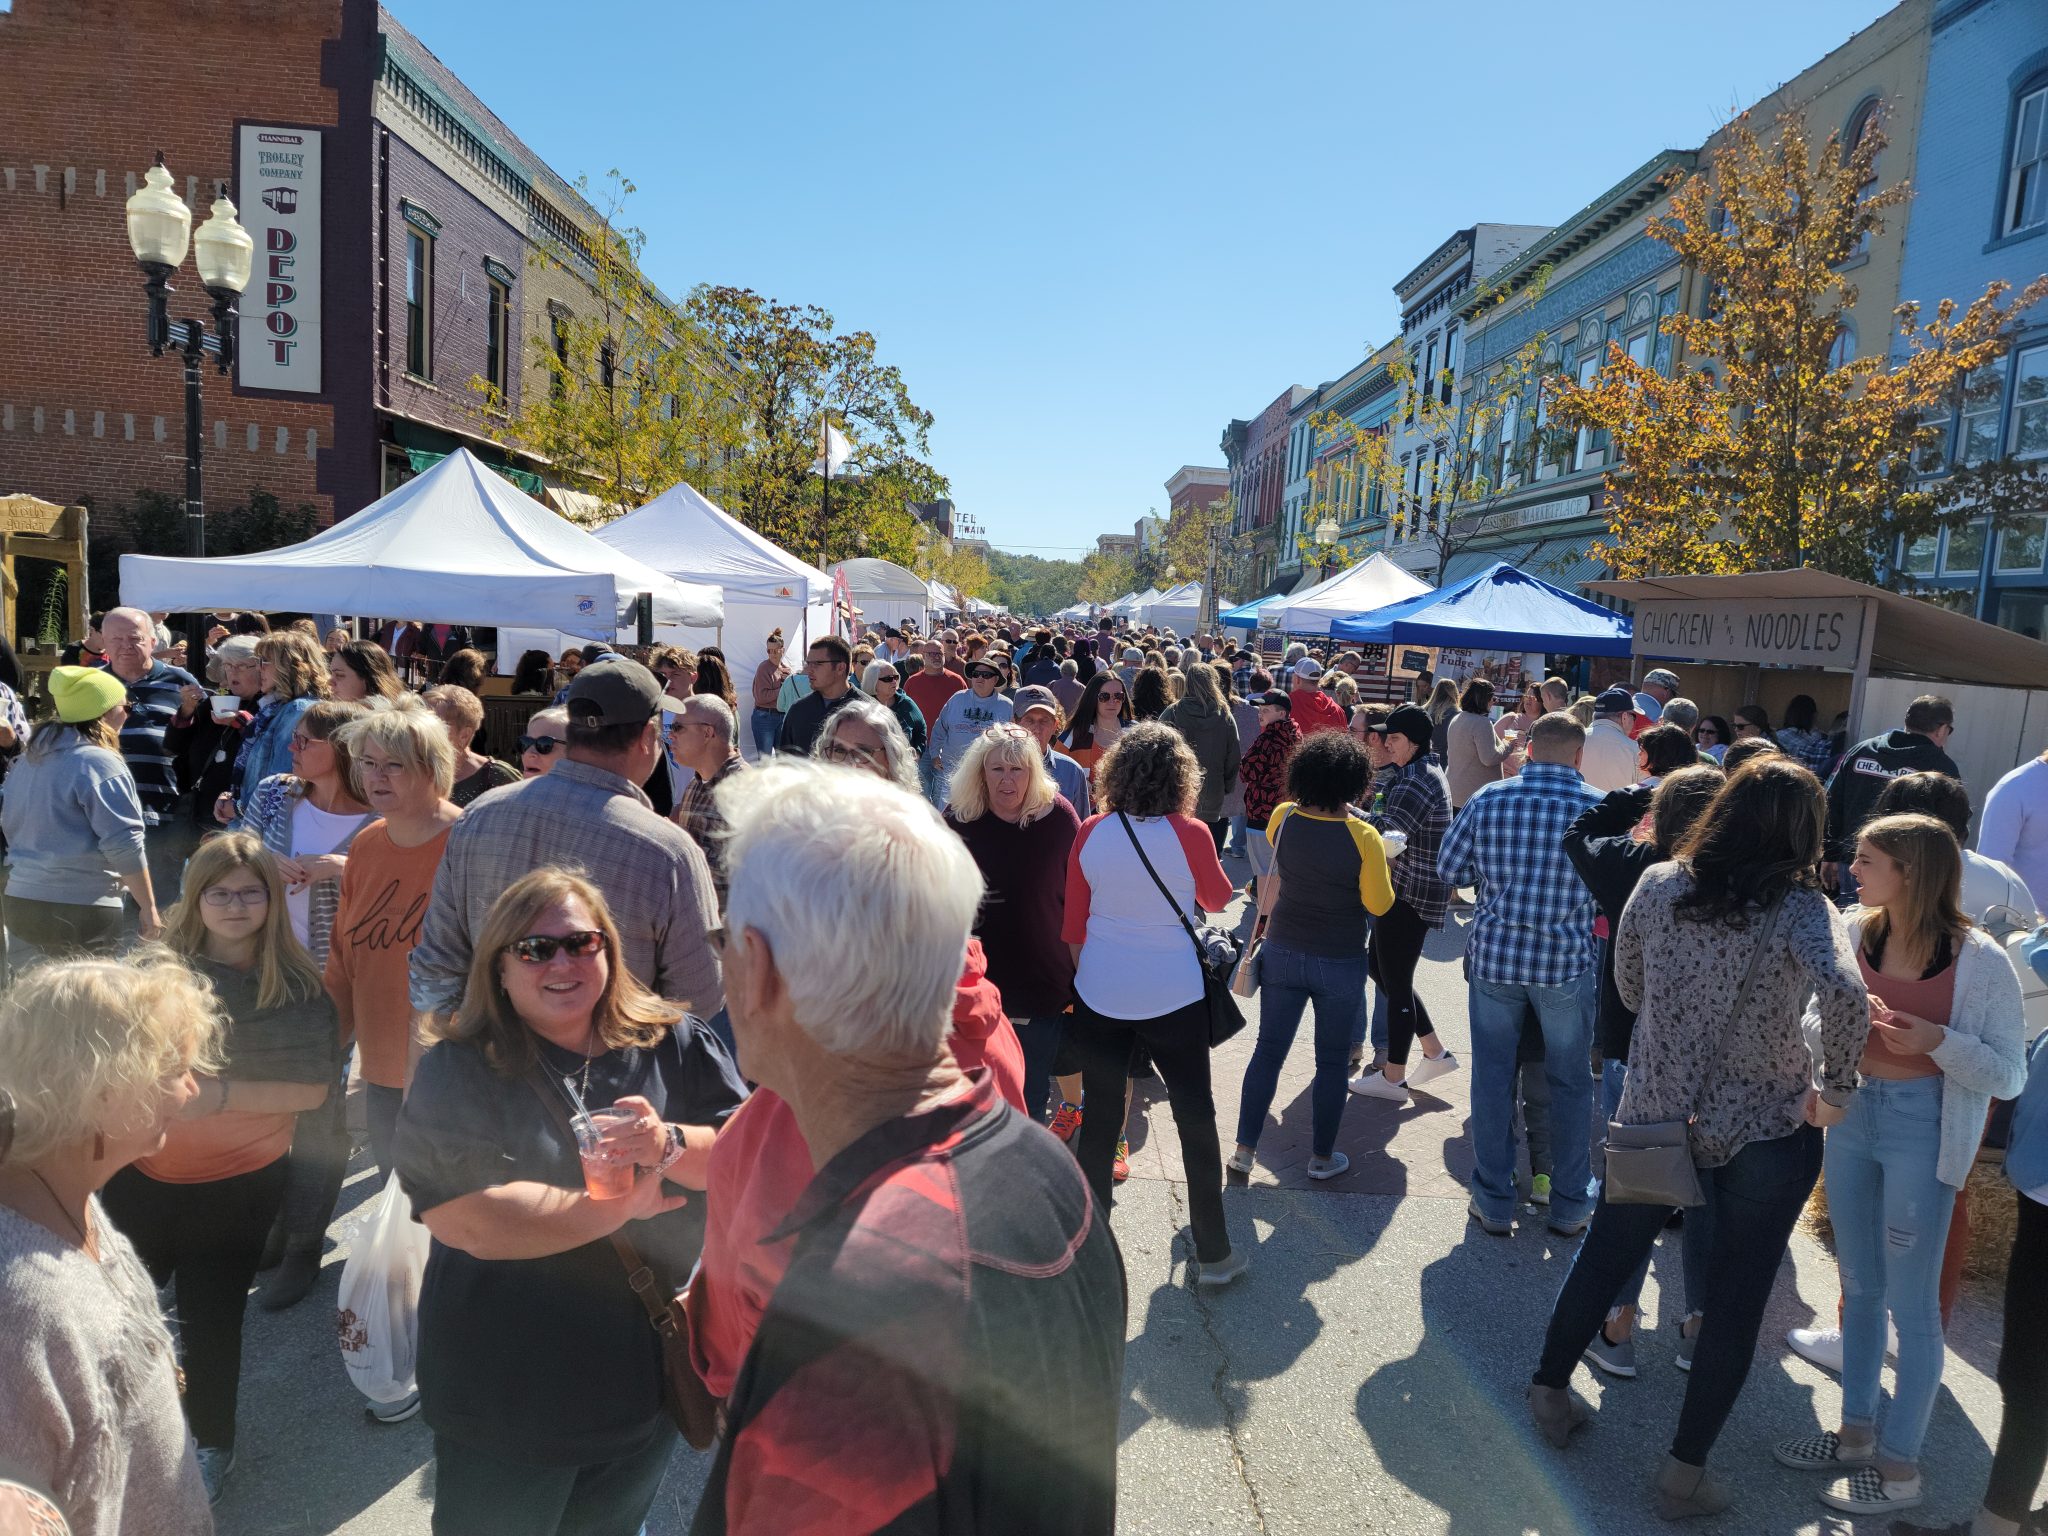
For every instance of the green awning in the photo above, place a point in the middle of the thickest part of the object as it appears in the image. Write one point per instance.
(421, 460)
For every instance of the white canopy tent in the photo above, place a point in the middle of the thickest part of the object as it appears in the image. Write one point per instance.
(691, 538)
(1373, 583)
(885, 593)
(944, 600)
(1178, 609)
(458, 545)
(1132, 605)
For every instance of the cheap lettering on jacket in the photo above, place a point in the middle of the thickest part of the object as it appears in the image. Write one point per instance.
(385, 926)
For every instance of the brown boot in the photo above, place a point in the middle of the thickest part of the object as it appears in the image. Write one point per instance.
(1684, 1490)
(1556, 1413)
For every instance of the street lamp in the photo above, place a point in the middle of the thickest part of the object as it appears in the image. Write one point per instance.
(1327, 533)
(159, 230)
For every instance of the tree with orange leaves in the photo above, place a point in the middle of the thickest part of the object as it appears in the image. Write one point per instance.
(1770, 448)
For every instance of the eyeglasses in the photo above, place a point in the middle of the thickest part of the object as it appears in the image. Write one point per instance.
(300, 741)
(221, 896)
(540, 948)
(857, 757)
(1706, 733)
(544, 745)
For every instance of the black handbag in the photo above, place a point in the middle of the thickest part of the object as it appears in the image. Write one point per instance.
(1215, 950)
(1652, 1164)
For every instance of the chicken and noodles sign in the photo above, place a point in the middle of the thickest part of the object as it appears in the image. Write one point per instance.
(279, 198)
(1791, 632)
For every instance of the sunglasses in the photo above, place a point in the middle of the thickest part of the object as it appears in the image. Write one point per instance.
(540, 948)
(1114, 698)
(975, 674)
(544, 745)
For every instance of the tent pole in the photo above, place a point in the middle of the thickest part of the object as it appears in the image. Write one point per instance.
(1860, 680)
(643, 616)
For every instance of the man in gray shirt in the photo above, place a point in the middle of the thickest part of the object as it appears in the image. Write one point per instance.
(590, 814)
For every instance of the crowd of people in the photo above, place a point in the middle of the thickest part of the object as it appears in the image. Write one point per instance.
(777, 1050)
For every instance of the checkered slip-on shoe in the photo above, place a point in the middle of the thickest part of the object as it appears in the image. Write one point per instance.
(1821, 1453)
(1869, 1492)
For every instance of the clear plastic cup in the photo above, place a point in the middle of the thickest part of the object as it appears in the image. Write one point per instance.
(1396, 843)
(607, 1175)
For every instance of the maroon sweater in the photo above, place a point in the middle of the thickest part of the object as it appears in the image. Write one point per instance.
(1019, 922)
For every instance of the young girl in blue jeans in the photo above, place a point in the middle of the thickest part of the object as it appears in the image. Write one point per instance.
(1946, 1038)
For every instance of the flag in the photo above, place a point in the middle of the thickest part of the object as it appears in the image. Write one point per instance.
(833, 451)
(843, 610)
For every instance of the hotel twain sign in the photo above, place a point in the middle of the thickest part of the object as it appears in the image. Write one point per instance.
(1787, 632)
(279, 181)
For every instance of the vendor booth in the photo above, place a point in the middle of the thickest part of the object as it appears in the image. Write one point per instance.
(1177, 608)
(457, 545)
(885, 593)
(1371, 584)
(688, 536)
(1767, 636)
(1497, 609)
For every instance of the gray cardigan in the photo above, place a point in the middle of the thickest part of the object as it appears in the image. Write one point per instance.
(1982, 1054)
(74, 824)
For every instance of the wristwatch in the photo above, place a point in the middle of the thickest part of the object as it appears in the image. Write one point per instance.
(1836, 1098)
(676, 1148)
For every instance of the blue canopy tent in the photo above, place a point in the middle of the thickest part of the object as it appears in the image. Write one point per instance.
(1497, 609)
(1246, 615)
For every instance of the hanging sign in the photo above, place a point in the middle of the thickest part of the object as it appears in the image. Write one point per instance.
(1786, 632)
(278, 200)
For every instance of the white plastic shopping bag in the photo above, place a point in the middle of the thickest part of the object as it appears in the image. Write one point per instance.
(378, 1316)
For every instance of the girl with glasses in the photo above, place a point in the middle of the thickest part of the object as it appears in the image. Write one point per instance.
(552, 1024)
(199, 1209)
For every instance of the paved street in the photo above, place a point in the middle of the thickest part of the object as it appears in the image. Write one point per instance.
(1367, 1374)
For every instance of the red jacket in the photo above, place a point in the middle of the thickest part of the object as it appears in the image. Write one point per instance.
(1314, 710)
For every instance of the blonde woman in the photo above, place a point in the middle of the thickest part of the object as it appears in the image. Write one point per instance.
(1947, 1032)
(97, 1059)
(294, 673)
(1020, 830)
(571, 1420)
(200, 1208)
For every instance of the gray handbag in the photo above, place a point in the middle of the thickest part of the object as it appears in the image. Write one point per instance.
(1652, 1164)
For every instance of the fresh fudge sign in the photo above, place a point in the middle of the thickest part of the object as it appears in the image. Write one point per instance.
(1791, 632)
(279, 203)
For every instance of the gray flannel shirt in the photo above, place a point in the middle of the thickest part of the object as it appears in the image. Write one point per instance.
(581, 817)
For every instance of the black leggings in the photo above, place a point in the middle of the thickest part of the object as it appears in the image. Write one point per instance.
(1179, 1046)
(2023, 1371)
(317, 1166)
(207, 1237)
(64, 930)
(1397, 938)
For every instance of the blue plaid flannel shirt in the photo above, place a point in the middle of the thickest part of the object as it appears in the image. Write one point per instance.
(1417, 800)
(1534, 924)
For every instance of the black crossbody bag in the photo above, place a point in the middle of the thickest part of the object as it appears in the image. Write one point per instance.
(1215, 950)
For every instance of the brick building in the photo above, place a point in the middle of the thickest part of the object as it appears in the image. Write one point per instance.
(1256, 453)
(421, 209)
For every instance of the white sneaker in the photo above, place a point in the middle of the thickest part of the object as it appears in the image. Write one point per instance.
(1328, 1167)
(1224, 1270)
(1374, 1085)
(1431, 1068)
(1823, 1346)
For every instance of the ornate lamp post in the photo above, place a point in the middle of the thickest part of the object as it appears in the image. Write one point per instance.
(1327, 533)
(159, 229)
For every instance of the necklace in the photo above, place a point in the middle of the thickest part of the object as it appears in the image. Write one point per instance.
(84, 1240)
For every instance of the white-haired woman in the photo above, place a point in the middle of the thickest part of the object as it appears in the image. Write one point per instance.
(200, 1208)
(74, 824)
(864, 734)
(540, 748)
(1137, 978)
(566, 1431)
(97, 1058)
(462, 712)
(1020, 830)
(883, 681)
(407, 766)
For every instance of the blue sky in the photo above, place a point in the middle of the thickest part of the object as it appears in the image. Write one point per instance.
(1090, 234)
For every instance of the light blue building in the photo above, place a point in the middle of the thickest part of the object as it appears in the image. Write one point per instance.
(1979, 214)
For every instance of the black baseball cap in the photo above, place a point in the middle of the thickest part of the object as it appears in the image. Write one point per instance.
(1408, 721)
(1273, 698)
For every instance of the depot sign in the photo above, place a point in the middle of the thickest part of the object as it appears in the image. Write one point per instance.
(1793, 632)
(279, 196)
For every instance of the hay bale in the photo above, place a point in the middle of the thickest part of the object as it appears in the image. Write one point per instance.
(1994, 1220)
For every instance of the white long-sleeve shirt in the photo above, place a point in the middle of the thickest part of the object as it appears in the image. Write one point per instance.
(2013, 828)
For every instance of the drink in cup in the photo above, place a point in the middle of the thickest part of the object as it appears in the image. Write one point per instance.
(606, 1174)
(225, 707)
(1396, 843)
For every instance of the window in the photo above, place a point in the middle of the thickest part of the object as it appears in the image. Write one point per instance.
(1510, 423)
(607, 364)
(2026, 179)
(1983, 404)
(2030, 405)
(558, 386)
(1660, 355)
(2023, 546)
(1429, 380)
(497, 351)
(1918, 559)
(1591, 443)
(1639, 346)
(1842, 350)
(1414, 383)
(1962, 550)
(1860, 125)
(1450, 363)
(419, 304)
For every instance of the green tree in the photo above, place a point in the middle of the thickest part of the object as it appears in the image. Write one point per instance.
(636, 397)
(1105, 578)
(1030, 584)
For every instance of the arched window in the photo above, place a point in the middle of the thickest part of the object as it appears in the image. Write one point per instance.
(1842, 350)
(1861, 121)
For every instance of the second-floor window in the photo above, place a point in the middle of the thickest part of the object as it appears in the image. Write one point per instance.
(497, 338)
(419, 304)
(1450, 368)
(2030, 405)
(2026, 180)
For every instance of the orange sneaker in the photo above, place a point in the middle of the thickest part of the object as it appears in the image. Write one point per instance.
(1121, 1168)
(1065, 1121)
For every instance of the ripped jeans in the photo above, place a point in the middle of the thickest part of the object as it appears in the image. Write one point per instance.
(1890, 1215)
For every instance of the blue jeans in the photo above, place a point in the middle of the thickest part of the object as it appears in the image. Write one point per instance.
(1378, 1011)
(1565, 1012)
(1890, 1215)
(1755, 1197)
(1237, 831)
(1040, 1039)
(933, 782)
(1697, 1240)
(1288, 981)
(767, 726)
